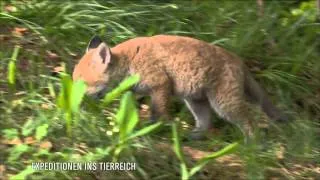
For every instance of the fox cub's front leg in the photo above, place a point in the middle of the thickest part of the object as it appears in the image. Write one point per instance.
(157, 85)
(159, 104)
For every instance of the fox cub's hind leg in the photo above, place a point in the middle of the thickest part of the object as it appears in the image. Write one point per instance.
(237, 111)
(229, 101)
(201, 112)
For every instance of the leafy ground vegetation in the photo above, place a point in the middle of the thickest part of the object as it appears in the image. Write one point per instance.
(45, 117)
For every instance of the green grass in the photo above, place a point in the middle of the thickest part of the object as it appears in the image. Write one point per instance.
(280, 48)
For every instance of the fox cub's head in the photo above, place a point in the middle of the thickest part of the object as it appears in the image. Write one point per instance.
(92, 67)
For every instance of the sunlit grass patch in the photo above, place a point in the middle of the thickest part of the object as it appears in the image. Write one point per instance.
(280, 48)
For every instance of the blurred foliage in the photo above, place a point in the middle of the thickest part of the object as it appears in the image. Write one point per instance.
(281, 48)
(185, 172)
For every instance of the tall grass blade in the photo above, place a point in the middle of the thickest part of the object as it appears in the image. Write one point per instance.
(202, 162)
(11, 76)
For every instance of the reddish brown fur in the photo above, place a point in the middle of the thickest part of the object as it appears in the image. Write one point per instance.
(203, 75)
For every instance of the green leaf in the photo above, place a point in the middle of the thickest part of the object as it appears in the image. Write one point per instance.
(99, 154)
(117, 151)
(64, 98)
(121, 116)
(226, 150)
(28, 127)
(203, 161)
(176, 143)
(17, 151)
(23, 174)
(127, 116)
(197, 168)
(77, 93)
(178, 151)
(12, 72)
(296, 12)
(124, 85)
(51, 90)
(145, 130)
(132, 114)
(12, 66)
(103, 151)
(42, 153)
(41, 131)
(10, 133)
(184, 171)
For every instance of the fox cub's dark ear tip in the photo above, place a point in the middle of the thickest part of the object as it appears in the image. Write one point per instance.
(94, 42)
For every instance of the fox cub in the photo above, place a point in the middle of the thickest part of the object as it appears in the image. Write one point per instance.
(205, 76)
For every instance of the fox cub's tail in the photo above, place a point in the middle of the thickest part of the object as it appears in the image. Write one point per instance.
(254, 91)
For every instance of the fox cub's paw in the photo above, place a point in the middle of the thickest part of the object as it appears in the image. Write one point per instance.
(198, 134)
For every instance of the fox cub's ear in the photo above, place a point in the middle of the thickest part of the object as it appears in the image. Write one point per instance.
(102, 55)
(94, 43)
